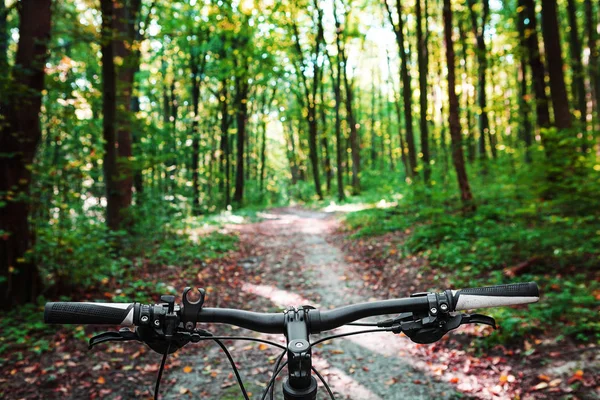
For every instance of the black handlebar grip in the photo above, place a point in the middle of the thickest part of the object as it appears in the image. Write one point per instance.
(495, 296)
(91, 313)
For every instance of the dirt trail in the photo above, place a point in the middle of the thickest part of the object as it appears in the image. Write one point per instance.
(294, 264)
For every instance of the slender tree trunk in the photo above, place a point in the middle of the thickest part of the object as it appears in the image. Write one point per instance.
(594, 57)
(263, 155)
(350, 116)
(109, 116)
(524, 107)
(224, 145)
(558, 90)
(453, 118)
(423, 69)
(481, 51)
(241, 102)
(324, 139)
(3, 44)
(20, 135)
(124, 23)
(372, 122)
(577, 85)
(538, 71)
(337, 92)
(406, 87)
(471, 146)
(195, 136)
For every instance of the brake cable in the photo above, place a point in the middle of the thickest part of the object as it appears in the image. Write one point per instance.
(275, 370)
(350, 334)
(160, 371)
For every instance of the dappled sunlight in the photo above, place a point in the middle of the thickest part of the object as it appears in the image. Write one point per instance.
(333, 207)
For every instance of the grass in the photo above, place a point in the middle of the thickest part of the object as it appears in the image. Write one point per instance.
(512, 224)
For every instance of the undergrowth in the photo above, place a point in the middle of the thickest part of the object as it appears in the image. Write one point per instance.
(556, 238)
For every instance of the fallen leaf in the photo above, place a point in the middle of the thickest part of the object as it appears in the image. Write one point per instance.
(101, 380)
(555, 382)
(544, 378)
(540, 386)
(262, 347)
(187, 369)
(454, 380)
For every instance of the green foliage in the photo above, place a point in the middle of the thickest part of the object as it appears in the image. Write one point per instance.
(512, 224)
(24, 328)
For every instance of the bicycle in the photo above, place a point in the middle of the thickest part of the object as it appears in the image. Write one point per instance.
(166, 327)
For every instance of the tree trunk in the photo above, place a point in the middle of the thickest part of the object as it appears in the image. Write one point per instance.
(453, 118)
(406, 87)
(481, 52)
(593, 70)
(372, 122)
(350, 116)
(241, 118)
(558, 90)
(577, 84)
(538, 71)
(109, 116)
(324, 139)
(19, 136)
(337, 92)
(524, 107)
(263, 155)
(3, 43)
(225, 148)
(466, 92)
(354, 140)
(310, 94)
(118, 30)
(423, 70)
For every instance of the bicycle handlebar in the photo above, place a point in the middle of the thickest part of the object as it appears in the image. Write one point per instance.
(318, 321)
(496, 296)
(91, 313)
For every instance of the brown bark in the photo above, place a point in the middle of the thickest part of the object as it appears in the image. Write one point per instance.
(119, 26)
(109, 114)
(453, 118)
(558, 90)
(406, 87)
(241, 118)
(263, 154)
(471, 145)
(423, 69)
(524, 107)
(337, 92)
(325, 139)
(197, 64)
(577, 85)
(399, 117)
(353, 138)
(19, 136)
(538, 71)
(593, 70)
(310, 91)
(481, 51)
(224, 157)
(3, 40)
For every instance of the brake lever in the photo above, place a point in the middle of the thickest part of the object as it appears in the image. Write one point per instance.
(122, 335)
(425, 330)
(478, 319)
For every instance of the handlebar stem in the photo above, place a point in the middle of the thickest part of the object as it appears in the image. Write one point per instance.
(300, 383)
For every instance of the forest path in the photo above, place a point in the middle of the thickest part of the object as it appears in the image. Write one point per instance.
(291, 262)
